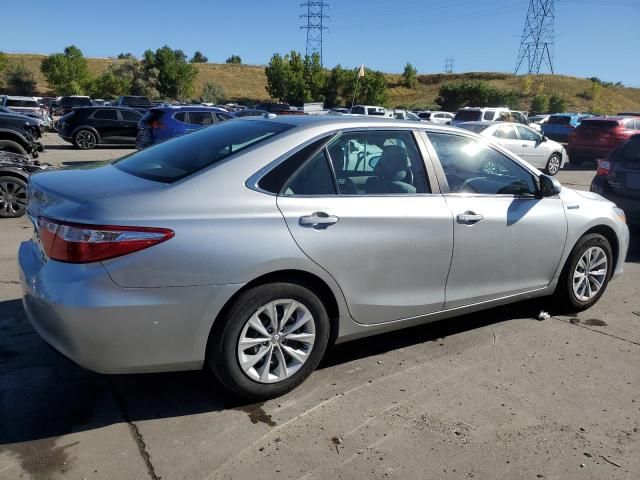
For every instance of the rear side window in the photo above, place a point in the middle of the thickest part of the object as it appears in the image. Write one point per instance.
(489, 115)
(473, 127)
(313, 178)
(183, 156)
(633, 124)
(425, 116)
(506, 132)
(599, 124)
(75, 101)
(200, 118)
(181, 117)
(129, 116)
(105, 114)
(358, 110)
(468, 115)
(222, 116)
(22, 103)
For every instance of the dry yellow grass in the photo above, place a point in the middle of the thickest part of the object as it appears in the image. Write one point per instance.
(247, 83)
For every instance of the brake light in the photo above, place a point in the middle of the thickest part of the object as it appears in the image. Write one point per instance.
(156, 124)
(603, 168)
(78, 243)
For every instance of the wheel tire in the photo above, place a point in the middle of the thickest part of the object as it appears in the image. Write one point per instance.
(12, 147)
(553, 164)
(85, 139)
(16, 189)
(564, 294)
(222, 353)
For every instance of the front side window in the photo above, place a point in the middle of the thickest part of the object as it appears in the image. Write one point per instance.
(471, 166)
(200, 118)
(489, 114)
(375, 162)
(105, 114)
(526, 134)
(358, 110)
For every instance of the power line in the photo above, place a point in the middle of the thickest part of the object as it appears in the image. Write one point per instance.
(536, 43)
(315, 25)
(448, 65)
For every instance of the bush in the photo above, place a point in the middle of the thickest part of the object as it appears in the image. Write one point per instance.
(453, 96)
(212, 93)
(21, 80)
(410, 76)
(198, 57)
(234, 59)
(540, 103)
(557, 104)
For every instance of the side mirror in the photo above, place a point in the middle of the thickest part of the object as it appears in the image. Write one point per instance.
(544, 138)
(549, 186)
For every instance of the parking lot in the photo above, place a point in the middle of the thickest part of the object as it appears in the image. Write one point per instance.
(496, 394)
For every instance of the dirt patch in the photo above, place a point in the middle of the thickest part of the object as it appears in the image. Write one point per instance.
(41, 458)
(594, 322)
(257, 414)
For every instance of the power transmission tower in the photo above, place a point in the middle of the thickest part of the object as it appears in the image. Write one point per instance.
(315, 26)
(536, 43)
(448, 65)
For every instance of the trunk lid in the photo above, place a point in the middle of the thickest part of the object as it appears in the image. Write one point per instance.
(596, 132)
(59, 194)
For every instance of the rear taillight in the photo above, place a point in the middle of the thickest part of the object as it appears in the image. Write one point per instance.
(156, 124)
(78, 243)
(603, 167)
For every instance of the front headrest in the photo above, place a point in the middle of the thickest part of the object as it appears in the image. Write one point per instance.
(393, 163)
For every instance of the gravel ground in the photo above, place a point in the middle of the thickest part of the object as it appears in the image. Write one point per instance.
(496, 394)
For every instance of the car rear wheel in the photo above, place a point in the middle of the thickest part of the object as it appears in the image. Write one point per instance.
(553, 164)
(12, 147)
(586, 274)
(13, 197)
(270, 341)
(85, 140)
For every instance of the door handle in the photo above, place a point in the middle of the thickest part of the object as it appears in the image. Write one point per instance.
(469, 218)
(525, 145)
(318, 220)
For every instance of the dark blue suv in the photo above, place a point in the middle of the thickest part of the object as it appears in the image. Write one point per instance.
(163, 123)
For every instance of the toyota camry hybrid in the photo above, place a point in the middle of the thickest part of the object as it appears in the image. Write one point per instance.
(253, 245)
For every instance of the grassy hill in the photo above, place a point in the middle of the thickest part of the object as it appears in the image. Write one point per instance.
(247, 83)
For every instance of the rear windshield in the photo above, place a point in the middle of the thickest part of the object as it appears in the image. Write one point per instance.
(599, 124)
(136, 101)
(559, 120)
(182, 156)
(468, 115)
(474, 127)
(22, 103)
(425, 115)
(75, 101)
(629, 153)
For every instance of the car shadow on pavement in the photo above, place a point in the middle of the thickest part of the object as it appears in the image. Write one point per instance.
(583, 167)
(43, 395)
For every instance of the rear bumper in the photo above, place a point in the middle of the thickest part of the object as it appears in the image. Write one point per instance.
(590, 152)
(80, 312)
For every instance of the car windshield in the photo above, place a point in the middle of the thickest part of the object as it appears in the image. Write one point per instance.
(136, 101)
(468, 115)
(559, 120)
(474, 127)
(76, 101)
(180, 157)
(22, 103)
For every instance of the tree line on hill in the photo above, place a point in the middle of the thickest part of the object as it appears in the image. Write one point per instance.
(293, 78)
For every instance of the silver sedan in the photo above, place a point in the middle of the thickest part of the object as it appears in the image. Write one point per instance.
(531, 146)
(253, 245)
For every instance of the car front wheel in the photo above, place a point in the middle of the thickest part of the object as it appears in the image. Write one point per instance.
(586, 273)
(13, 197)
(553, 164)
(270, 341)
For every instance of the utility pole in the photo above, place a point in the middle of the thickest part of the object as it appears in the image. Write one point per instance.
(315, 25)
(536, 43)
(448, 65)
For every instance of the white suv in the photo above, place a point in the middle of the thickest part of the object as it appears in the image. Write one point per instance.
(489, 114)
(370, 110)
(443, 118)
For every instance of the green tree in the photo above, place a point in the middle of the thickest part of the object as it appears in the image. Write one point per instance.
(295, 79)
(373, 89)
(175, 75)
(4, 62)
(198, 57)
(234, 59)
(557, 104)
(540, 103)
(453, 96)
(339, 87)
(278, 73)
(21, 80)
(67, 73)
(527, 85)
(212, 93)
(124, 56)
(410, 76)
(127, 77)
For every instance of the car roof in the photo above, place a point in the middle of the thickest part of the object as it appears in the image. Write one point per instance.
(17, 97)
(190, 107)
(486, 122)
(614, 118)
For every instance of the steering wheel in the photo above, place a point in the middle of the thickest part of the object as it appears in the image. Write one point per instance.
(466, 186)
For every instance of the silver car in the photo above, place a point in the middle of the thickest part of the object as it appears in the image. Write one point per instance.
(253, 245)
(531, 146)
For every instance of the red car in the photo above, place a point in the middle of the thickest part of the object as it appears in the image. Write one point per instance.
(596, 137)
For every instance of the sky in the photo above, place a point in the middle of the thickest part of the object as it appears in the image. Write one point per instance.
(593, 37)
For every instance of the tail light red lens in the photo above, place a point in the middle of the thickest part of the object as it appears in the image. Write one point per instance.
(156, 124)
(603, 167)
(79, 243)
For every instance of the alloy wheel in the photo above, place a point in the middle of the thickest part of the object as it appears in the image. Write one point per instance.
(276, 341)
(554, 165)
(13, 198)
(590, 274)
(85, 140)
